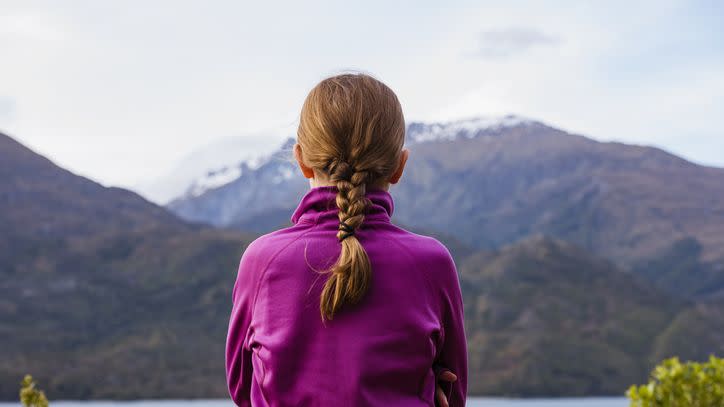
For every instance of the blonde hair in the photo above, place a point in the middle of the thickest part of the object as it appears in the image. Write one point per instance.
(352, 129)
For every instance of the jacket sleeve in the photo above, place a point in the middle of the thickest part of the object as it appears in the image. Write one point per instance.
(452, 352)
(238, 351)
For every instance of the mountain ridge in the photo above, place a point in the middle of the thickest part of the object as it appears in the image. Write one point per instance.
(97, 284)
(205, 163)
(503, 181)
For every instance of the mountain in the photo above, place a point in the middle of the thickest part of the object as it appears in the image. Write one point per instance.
(98, 285)
(211, 166)
(496, 181)
(260, 199)
(105, 295)
(545, 317)
(615, 199)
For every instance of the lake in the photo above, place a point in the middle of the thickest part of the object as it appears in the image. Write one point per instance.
(473, 402)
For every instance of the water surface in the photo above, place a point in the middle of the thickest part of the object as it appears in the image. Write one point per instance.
(472, 402)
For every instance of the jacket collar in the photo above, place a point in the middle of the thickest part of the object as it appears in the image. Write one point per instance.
(320, 202)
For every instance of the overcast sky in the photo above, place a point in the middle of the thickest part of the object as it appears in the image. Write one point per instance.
(121, 91)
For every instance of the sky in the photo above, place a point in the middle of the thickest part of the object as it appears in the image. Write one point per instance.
(121, 92)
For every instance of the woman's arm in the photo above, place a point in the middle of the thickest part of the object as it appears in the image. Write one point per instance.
(452, 353)
(238, 351)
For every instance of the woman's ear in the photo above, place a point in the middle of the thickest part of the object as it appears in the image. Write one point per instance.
(401, 167)
(307, 171)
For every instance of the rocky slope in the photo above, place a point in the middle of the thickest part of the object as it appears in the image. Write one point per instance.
(97, 286)
(546, 317)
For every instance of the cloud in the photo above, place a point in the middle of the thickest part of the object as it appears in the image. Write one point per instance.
(122, 92)
(503, 43)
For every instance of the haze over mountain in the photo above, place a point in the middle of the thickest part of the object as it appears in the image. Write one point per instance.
(493, 181)
(211, 166)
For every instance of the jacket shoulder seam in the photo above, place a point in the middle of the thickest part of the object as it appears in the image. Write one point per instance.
(268, 264)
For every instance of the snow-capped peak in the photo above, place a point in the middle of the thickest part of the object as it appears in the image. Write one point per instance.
(224, 175)
(213, 165)
(227, 160)
(214, 179)
(467, 127)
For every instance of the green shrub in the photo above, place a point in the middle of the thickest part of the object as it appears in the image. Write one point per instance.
(30, 396)
(674, 384)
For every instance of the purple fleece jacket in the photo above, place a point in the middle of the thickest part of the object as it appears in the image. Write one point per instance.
(383, 351)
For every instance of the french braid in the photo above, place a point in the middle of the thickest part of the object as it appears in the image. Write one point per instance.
(351, 129)
(351, 277)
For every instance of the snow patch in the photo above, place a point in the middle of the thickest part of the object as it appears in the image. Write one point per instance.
(469, 128)
(219, 156)
(214, 179)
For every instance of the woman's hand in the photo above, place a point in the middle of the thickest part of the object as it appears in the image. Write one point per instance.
(445, 376)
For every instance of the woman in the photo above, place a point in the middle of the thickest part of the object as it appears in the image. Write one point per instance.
(344, 308)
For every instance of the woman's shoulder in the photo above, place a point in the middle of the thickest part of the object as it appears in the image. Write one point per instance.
(430, 253)
(269, 243)
(259, 254)
(419, 242)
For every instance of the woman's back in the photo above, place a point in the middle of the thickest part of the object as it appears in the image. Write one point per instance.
(379, 352)
(344, 308)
